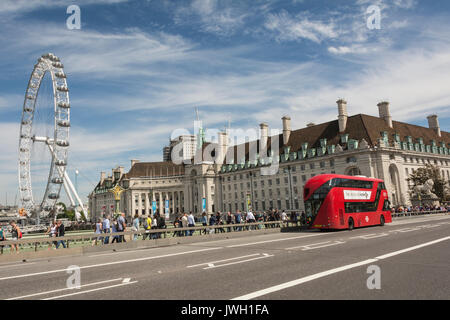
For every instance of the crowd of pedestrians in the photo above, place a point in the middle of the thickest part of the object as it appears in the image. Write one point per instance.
(107, 227)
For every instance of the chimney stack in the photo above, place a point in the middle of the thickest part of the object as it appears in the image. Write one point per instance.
(264, 133)
(102, 177)
(383, 108)
(133, 162)
(433, 123)
(342, 114)
(286, 129)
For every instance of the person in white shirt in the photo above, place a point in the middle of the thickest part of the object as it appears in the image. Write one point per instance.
(184, 223)
(191, 222)
(284, 217)
(250, 218)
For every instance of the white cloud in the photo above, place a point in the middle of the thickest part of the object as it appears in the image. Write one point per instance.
(290, 28)
(212, 16)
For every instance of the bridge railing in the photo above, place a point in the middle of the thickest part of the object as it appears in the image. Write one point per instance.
(41, 243)
(417, 213)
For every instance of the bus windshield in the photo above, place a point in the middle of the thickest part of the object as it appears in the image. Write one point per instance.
(313, 204)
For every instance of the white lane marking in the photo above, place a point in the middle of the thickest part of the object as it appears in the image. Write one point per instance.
(296, 282)
(264, 255)
(224, 260)
(429, 226)
(126, 280)
(17, 265)
(317, 245)
(406, 229)
(391, 254)
(371, 236)
(92, 290)
(63, 289)
(110, 263)
(277, 240)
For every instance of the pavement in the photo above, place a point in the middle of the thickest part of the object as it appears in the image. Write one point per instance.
(410, 255)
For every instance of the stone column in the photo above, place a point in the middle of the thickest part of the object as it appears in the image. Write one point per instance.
(133, 203)
(147, 206)
(139, 205)
(173, 202)
(160, 207)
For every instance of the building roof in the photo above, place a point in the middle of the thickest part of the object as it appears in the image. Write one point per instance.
(359, 127)
(154, 169)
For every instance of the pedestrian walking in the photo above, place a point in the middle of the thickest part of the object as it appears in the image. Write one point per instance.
(191, 222)
(147, 224)
(121, 226)
(51, 231)
(106, 228)
(184, 223)
(115, 238)
(204, 222)
(98, 230)
(60, 232)
(161, 223)
(2, 238)
(250, 218)
(135, 227)
(229, 220)
(16, 234)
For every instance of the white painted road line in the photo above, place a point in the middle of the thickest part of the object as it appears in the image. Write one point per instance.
(406, 229)
(109, 263)
(296, 282)
(371, 236)
(264, 255)
(316, 245)
(224, 260)
(277, 240)
(92, 290)
(63, 289)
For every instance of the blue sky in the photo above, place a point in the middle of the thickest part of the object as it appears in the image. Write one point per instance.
(137, 69)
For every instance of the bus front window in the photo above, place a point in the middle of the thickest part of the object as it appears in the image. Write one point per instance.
(313, 204)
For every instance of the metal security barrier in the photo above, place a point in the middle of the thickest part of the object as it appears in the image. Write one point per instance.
(42, 243)
(416, 213)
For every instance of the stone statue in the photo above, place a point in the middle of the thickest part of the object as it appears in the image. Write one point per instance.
(422, 194)
(425, 190)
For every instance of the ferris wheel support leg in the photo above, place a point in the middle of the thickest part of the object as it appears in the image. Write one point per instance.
(69, 194)
(74, 192)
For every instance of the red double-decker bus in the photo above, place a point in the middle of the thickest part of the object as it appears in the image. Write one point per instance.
(344, 202)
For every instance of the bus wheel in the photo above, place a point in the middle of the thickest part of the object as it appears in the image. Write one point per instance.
(382, 220)
(351, 224)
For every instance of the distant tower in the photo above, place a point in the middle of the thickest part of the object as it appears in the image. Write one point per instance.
(201, 131)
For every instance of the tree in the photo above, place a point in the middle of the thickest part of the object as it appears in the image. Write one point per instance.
(420, 176)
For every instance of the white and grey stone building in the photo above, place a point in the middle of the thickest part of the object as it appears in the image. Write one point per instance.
(229, 180)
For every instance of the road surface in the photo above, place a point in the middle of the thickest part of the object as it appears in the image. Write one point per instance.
(412, 254)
